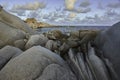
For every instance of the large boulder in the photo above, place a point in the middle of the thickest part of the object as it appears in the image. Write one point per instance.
(8, 34)
(35, 40)
(14, 21)
(7, 53)
(55, 34)
(20, 44)
(107, 43)
(83, 35)
(56, 72)
(1, 44)
(31, 64)
(67, 45)
(52, 45)
(74, 35)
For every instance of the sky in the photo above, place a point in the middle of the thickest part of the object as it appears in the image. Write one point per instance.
(66, 12)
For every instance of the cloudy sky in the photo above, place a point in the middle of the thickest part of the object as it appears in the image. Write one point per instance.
(66, 12)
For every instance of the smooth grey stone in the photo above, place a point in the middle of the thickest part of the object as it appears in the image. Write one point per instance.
(30, 64)
(7, 53)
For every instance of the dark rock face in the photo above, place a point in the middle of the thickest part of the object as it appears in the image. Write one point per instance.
(108, 43)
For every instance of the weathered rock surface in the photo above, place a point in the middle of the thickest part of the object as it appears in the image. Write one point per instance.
(32, 64)
(67, 45)
(98, 66)
(55, 34)
(107, 44)
(33, 23)
(74, 35)
(83, 35)
(56, 72)
(8, 34)
(35, 40)
(20, 44)
(8, 53)
(52, 45)
(12, 28)
(1, 44)
(14, 21)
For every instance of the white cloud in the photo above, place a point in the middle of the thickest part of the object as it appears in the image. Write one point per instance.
(18, 12)
(100, 6)
(85, 3)
(32, 15)
(5, 5)
(114, 5)
(110, 13)
(84, 10)
(30, 6)
(72, 15)
(70, 4)
(31, 9)
(109, 18)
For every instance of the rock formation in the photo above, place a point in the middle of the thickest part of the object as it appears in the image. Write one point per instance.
(87, 54)
(56, 72)
(7, 53)
(20, 44)
(107, 44)
(34, 63)
(53, 45)
(1, 44)
(55, 34)
(8, 34)
(35, 40)
(33, 23)
(12, 28)
(14, 21)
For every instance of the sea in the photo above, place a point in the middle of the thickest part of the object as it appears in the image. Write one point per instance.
(67, 29)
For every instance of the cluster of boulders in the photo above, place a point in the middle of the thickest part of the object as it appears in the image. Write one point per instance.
(54, 55)
(38, 56)
(22, 56)
(37, 63)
